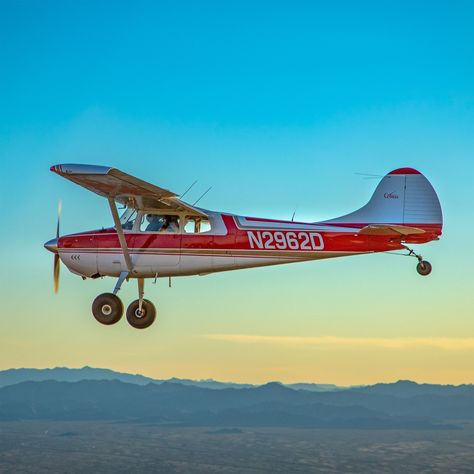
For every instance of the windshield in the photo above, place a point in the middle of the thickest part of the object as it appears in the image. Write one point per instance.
(128, 218)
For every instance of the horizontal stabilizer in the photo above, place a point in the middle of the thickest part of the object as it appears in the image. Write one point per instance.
(387, 229)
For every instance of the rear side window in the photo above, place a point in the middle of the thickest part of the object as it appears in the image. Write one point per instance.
(196, 225)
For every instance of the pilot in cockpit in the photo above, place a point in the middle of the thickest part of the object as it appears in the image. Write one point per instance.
(165, 224)
(155, 223)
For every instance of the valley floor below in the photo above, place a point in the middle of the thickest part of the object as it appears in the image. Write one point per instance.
(77, 447)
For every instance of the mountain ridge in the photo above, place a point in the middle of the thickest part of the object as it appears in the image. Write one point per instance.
(17, 375)
(270, 405)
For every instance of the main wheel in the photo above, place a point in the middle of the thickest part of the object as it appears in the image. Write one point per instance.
(423, 268)
(107, 308)
(141, 319)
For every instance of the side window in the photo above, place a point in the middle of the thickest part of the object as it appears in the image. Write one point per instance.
(205, 225)
(162, 223)
(196, 225)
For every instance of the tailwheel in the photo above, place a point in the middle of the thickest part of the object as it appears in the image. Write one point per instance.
(107, 308)
(424, 268)
(141, 318)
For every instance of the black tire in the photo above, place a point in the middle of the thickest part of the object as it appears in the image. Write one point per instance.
(141, 321)
(424, 268)
(107, 309)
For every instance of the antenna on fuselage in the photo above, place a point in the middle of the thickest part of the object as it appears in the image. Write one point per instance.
(370, 175)
(294, 212)
(185, 192)
(202, 195)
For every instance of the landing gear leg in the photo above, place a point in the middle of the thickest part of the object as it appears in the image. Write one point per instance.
(141, 292)
(423, 267)
(118, 285)
(141, 313)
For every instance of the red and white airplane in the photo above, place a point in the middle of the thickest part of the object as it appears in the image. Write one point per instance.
(160, 235)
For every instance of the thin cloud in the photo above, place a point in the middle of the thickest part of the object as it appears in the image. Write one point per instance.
(448, 343)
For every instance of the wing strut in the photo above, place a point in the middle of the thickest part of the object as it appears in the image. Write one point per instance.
(121, 236)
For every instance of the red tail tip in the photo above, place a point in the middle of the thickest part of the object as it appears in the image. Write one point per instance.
(405, 171)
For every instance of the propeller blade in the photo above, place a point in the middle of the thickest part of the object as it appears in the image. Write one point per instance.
(56, 272)
(57, 261)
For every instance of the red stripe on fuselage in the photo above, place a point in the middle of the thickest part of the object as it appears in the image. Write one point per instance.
(238, 239)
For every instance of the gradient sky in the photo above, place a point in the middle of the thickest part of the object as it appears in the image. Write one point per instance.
(277, 105)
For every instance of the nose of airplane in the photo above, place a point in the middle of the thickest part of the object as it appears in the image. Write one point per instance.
(52, 245)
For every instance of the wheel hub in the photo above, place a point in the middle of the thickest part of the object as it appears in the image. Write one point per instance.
(106, 309)
(139, 313)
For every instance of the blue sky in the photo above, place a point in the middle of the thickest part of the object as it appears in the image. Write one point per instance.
(247, 64)
(277, 105)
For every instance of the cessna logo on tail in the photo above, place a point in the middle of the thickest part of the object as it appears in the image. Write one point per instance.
(285, 240)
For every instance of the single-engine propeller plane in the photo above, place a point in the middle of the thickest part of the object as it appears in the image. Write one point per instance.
(160, 235)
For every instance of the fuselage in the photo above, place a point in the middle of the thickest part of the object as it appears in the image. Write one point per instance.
(233, 242)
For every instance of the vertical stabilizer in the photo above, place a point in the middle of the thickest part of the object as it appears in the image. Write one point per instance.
(404, 196)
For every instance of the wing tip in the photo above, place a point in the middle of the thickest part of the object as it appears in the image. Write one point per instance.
(74, 168)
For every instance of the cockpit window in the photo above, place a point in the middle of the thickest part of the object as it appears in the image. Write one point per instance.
(162, 223)
(128, 218)
(197, 225)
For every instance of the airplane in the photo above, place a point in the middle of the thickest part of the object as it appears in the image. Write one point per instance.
(160, 235)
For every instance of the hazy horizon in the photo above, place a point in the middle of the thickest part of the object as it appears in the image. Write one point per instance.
(204, 379)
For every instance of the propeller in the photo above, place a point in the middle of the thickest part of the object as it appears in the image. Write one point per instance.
(57, 260)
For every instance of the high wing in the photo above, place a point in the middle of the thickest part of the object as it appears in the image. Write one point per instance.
(123, 188)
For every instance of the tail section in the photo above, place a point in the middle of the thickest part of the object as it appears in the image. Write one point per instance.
(404, 197)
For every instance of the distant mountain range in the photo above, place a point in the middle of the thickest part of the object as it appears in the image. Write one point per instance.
(64, 374)
(98, 394)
